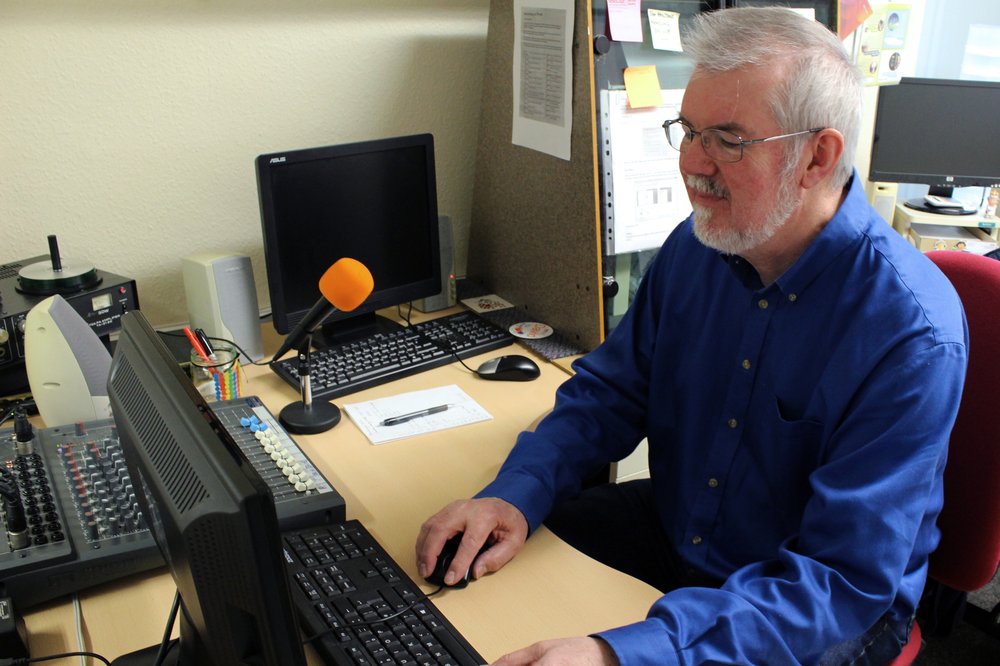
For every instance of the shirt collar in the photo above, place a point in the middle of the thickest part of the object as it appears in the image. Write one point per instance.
(838, 234)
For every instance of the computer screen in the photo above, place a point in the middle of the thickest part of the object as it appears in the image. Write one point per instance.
(373, 201)
(210, 513)
(937, 132)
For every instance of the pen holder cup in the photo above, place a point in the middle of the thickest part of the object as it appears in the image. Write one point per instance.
(219, 379)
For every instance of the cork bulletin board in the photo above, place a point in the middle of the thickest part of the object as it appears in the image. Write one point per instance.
(535, 229)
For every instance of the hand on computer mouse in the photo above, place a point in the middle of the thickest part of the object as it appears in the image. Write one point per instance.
(440, 574)
(484, 520)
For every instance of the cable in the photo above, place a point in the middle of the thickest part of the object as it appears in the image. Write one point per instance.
(165, 643)
(22, 661)
(365, 623)
(180, 334)
(78, 620)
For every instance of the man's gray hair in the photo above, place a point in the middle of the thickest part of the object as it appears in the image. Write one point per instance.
(820, 87)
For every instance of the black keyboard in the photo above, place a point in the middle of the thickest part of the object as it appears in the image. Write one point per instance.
(385, 357)
(364, 609)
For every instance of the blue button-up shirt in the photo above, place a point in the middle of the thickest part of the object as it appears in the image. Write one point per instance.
(797, 438)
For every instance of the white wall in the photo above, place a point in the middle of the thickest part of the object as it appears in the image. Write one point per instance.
(129, 127)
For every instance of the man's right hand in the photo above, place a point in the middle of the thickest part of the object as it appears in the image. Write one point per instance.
(485, 520)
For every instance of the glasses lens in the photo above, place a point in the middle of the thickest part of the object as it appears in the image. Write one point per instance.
(722, 145)
(677, 134)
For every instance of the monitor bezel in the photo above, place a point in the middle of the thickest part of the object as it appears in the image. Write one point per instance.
(940, 183)
(276, 255)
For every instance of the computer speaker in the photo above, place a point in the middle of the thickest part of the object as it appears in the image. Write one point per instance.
(222, 299)
(446, 297)
(67, 364)
(884, 200)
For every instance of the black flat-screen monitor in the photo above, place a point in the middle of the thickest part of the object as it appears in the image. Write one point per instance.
(373, 201)
(210, 513)
(937, 132)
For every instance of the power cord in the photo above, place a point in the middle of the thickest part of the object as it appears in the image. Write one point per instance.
(22, 661)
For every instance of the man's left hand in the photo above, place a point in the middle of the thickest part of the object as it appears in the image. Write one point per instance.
(563, 651)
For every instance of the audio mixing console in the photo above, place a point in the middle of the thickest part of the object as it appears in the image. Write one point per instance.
(69, 515)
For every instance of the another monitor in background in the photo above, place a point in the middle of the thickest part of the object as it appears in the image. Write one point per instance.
(374, 201)
(937, 132)
(209, 511)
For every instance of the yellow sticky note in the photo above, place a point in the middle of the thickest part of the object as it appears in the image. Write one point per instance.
(642, 85)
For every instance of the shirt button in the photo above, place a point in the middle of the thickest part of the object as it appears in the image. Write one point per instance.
(793, 297)
(713, 483)
(696, 540)
(762, 304)
(746, 364)
(732, 423)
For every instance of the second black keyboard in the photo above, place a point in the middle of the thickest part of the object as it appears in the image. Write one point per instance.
(361, 607)
(385, 357)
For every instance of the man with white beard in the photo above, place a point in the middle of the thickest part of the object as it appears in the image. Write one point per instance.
(795, 366)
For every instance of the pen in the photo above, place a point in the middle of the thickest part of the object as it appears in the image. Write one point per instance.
(196, 343)
(403, 418)
(200, 334)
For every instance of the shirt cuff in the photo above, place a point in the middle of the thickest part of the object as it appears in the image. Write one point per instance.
(525, 493)
(640, 644)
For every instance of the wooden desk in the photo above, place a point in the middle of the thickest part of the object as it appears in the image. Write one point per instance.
(548, 591)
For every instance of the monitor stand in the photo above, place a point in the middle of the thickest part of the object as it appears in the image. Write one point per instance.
(354, 328)
(924, 205)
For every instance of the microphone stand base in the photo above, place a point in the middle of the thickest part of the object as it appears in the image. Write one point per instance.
(301, 419)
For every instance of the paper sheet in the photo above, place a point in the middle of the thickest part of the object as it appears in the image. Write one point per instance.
(664, 29)
(649, 195)
(543, 76)
(462, 410)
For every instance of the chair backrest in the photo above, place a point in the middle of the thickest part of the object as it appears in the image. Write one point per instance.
(969, 552)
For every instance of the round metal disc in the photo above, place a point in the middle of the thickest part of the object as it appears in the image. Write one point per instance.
(40, 278)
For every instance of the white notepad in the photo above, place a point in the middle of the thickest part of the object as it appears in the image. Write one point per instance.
(369, 416)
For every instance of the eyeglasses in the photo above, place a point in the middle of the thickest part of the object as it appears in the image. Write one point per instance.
(720, 145)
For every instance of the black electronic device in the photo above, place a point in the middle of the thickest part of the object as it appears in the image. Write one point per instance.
(374, 201)
(511, 368)
(940, 133)
(444, 559)
(208, 509)
(345, 368)
(362, 607)
(98, 296)
(84, 528)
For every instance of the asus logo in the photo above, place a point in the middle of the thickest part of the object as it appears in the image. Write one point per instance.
(277, 160)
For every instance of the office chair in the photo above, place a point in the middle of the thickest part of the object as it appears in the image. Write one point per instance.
(969, 552)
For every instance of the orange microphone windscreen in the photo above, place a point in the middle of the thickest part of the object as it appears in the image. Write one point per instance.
(346, 284)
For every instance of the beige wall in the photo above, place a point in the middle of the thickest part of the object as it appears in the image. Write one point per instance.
(129, 127)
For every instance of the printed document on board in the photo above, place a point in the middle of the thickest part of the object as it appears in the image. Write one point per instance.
(543, 75)
(649, 198)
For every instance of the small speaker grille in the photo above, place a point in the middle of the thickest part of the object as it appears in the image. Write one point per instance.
(180, 481)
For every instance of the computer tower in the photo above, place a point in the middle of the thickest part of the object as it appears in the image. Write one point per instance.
(446, 298)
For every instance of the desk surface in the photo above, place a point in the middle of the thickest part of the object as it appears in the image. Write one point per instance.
(548, 591)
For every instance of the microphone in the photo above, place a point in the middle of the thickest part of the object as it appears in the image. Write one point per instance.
(344, 286)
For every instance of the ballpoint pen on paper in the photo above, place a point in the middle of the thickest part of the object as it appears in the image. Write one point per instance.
(403, 418)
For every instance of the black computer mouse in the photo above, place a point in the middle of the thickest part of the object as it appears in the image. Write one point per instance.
(444, 559)
(513, 367)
